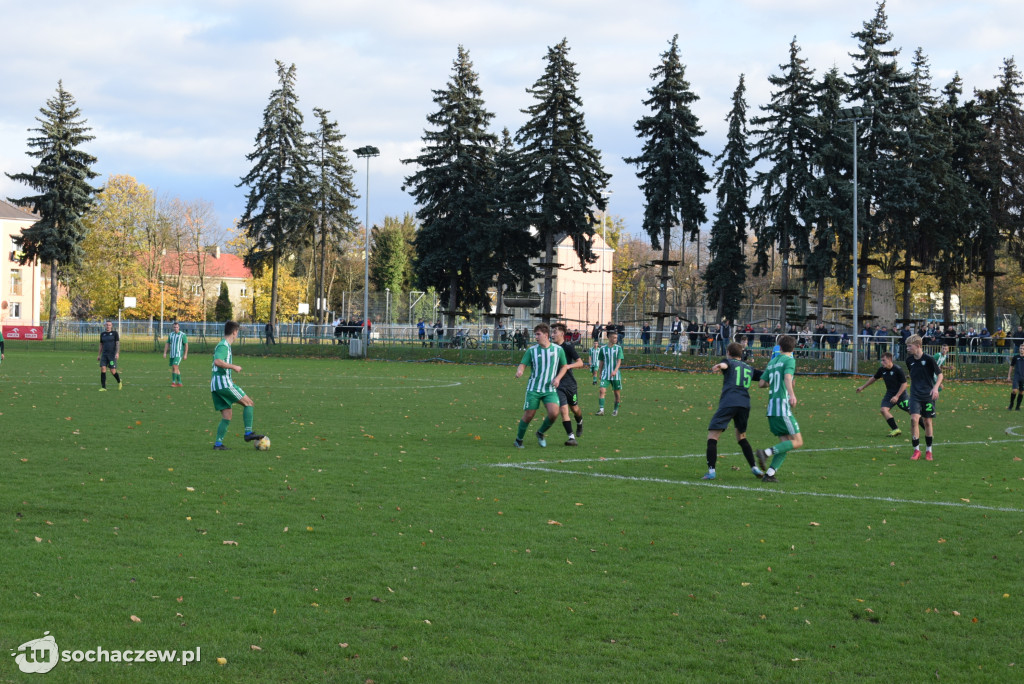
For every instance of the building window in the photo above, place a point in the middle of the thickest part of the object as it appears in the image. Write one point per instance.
(196, 289)
(15, 310)
(15, 282)
(244, 291)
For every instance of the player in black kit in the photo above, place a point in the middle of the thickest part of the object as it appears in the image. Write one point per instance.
(925, 382)
(734, 406)
(567, 391)
(1015, 377)
(109, 353)
(895, 391)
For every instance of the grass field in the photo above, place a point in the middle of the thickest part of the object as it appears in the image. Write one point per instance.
(393, 534)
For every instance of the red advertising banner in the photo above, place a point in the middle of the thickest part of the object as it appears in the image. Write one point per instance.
(23, 332)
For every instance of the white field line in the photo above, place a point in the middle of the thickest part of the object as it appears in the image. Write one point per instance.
(544, 467)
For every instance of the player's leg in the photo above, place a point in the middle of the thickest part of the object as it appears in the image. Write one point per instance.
(928, 434)
(915, 435)
(711, 453)
(222, 427)
(103, 378)
(787, 430)
(600, 397)
(563, 410)
(894, 429)
(248, 411)
(577, 412)
(551, 407)
(618, 400)
(739, 420)
(530, 407)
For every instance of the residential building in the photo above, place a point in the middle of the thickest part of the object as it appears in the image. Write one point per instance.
(21, 285)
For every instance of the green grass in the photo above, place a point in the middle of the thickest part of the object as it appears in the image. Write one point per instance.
(393, 515)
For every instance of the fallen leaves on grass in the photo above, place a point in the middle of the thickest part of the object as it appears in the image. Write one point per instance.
(228, 542)
(554, 522)
(136, 618)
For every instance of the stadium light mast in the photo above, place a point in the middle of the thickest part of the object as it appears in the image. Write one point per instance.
(604, 248)
(367, 152)
(853, 115)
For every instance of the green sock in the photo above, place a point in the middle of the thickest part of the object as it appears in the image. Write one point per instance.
(600, 403)
(247, 417)
(545, 425)
(779, 453)
(617, 406)
(222, 430)
(522, 430)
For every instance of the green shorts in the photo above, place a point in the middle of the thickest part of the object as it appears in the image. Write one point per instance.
(614, 384)
(175, 361)
(534, 400)
(224, 398)
(783, 425)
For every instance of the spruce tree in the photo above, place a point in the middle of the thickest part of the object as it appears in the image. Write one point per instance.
(512, 244)
(963, 134)
(61, 179)
(727, 269)
(223, 309)
(1002, 159)
(560, 170)
(453, 189)
(277, 208)
(332, 195)
(830, 197)
(876, 84)
(672, 177)
(786, 143)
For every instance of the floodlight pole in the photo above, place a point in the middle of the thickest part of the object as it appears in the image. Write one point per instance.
(366, 152)
(855, 114)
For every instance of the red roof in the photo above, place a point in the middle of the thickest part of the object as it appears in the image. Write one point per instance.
(223, 266)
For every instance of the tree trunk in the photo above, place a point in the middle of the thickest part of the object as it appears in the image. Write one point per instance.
(947, 298)
(819, 310)
(990, 288)
(549, 276)
(663, 287)
(784, 297)
(272, 319)
(862, 280)
(322, 284)
(908, 272)
(53, 301)
(452, 303)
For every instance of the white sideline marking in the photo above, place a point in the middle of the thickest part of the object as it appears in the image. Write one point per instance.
(542, 466)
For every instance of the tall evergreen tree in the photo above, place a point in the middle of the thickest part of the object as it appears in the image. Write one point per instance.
(829, 201)
(389, 256)
(1002, 158)
(786, 143)
(277, 208)
(61, 179)
(560, 170)
(332, 196)
(876, 83)
(223, 309)
(453, 189)
(512, 244)
(672, 177)
(960, 126)
(727, 270)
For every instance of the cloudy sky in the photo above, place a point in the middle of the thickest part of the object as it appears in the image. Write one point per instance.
(175, 90)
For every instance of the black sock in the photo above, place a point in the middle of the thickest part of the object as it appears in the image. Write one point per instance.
(915, 441)
(892, 422)
(1020, 395)
(748, 451)
(1012, 396)
(928, 441)
(117, 378)
(103, 379)
(712, 453)
(567, 424)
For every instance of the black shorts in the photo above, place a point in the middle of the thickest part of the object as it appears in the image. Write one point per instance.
(1017, 384)
(737, 414)
(108, 361)
(903, 402)
(923, 407)
(567, 396)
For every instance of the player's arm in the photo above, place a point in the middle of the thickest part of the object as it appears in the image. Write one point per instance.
(937, 386)
(520, 370)
(186, 350)
(221, 363)
(117, 346)
(788, 380)
(563, 367)
(720, 367)
(899, 393)
(1009, 373)
(867, 384)
(167, 347)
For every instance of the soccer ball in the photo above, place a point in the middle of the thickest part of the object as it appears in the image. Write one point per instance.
(262, 444)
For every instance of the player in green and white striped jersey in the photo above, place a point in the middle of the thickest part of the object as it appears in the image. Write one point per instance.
(224, 390)
(177, 347)
(610, 358)
(547, 366)
(778, 375)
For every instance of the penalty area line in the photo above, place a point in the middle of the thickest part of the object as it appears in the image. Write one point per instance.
(764, 490)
